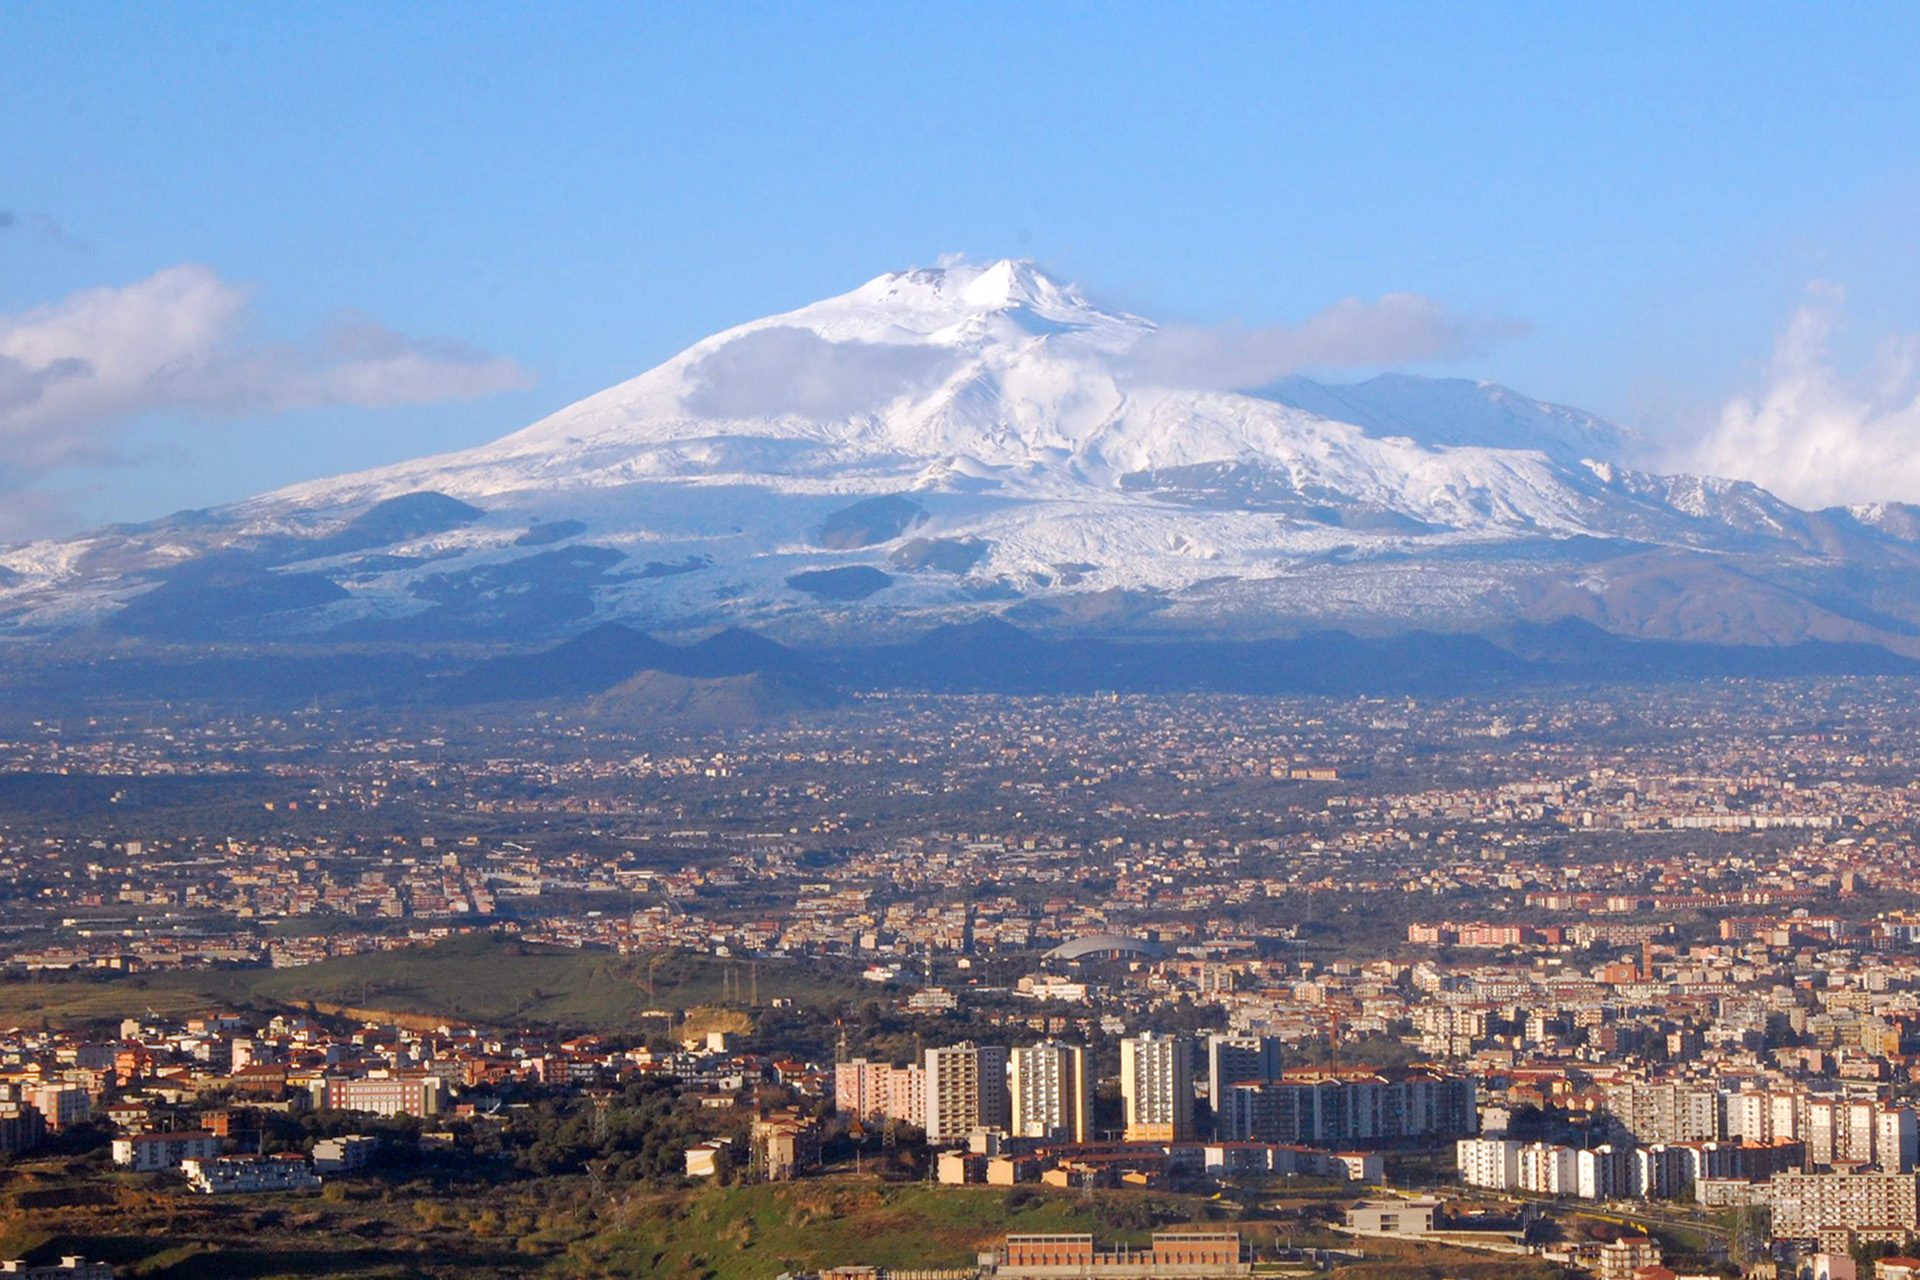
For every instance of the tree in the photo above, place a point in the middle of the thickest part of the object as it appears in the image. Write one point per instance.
(724, 1167)
(1747, 1236)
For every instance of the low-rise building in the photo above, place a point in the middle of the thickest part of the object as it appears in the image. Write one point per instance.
(344, 1154)
(422, 1095)
(786, 1144)
(704, 1160)
(250, 1175)
(1392, 1217)
(158, 1152)
(1621, 1259)
(71, 1267)
(1171, 1255)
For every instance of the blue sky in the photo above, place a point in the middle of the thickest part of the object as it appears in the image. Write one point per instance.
(512, 207)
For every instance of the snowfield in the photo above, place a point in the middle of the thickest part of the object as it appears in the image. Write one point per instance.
(999, 418)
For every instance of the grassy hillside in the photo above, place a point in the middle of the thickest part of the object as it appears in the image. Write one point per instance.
(74, 999)
(490, 979)
(151, 1227)
(560, 1228)
(751, 1233)
(483, 978)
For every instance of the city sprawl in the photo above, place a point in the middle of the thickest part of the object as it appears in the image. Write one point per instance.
(1624, 979)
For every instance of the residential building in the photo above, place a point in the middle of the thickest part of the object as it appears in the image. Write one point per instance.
(1349, 1107)
(1493, 1163)
(907, 1095)
(1896, 1140)
(61, 1105)
(1050, 1094)
(1235, 1060)
(155, 1152)
(871, 1091)
(249, 1175)
(860, 1088)
(1620, 1259)
(1605, 1173)
(786, 1144)
(1841, 1208)
(343, 1155)
(966, 1089)
(1156, 1086)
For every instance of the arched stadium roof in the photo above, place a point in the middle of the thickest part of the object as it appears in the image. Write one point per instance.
(1099, 944)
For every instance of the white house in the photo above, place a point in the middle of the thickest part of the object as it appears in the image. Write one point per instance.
(156, 1152)
(238, 1175)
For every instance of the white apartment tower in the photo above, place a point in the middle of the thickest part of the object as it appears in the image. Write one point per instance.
(1493, 1163)
(1050, 1093)
(1156, 1083)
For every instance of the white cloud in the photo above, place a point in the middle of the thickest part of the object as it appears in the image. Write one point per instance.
(1815, 436)
(783, 370)
(75, 372)
(1401, 328)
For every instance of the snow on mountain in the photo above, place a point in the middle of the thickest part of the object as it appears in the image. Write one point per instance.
(1445, 413)
(936, 443)
(997, 373)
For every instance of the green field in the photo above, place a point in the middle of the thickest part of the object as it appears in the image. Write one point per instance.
(553, 1227)
(483, 978)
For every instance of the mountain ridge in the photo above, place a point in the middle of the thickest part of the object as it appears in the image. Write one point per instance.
(946, 444)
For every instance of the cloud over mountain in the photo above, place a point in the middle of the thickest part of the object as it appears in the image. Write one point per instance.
(1812, 434)
(1400, 328)
(785, 370)
(73, 373)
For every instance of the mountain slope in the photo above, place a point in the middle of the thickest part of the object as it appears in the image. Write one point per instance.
(1451, 412)
(655, 699)
(939, 446)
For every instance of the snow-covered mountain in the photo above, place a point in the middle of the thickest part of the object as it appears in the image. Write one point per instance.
(946, 443)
